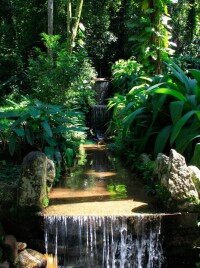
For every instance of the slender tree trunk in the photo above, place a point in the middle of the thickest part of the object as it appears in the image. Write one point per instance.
(69, 21)
(72, 24)
(50, 23)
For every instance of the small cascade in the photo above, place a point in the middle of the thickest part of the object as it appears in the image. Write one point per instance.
(102, 89)
(103, 242)
(99, 118)
(99, 114)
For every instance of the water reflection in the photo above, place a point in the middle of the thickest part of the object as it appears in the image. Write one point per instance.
(97, 177)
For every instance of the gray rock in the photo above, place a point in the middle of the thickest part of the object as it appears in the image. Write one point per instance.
(37, 169)
(51, 172)
(30, 258)
(161, 169)
(180, 184)
(175, 177)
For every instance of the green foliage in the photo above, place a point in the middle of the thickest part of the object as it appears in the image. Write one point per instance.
(117, 190)
(151, 35)
(100, 38)
(45, 202)
(125, 74)
(49, 128)
(19, 32)
(185, 30)
(158, 116)
(65, 79)
(9, 172)
(162, 193)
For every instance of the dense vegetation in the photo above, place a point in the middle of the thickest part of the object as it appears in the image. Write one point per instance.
(51, 52)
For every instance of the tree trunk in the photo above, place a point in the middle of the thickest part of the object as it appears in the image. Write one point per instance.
(72, 24)
(50, 23)
(50, 17)
(69, 21)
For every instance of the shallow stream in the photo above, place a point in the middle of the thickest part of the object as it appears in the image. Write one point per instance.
(100, 216)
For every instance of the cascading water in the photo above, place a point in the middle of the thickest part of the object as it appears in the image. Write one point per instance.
(99, 118)
(104, 242)
(102, 89)
(99, 114)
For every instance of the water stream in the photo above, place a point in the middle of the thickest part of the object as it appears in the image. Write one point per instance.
(100, 215)
(103, 242)
(93, 221)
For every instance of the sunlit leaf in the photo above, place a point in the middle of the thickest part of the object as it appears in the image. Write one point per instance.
(181, 122)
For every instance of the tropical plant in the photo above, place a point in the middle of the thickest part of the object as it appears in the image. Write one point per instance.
(125, 74)
(151, 35)
(161, 115)
(51, 129)
(65, 78)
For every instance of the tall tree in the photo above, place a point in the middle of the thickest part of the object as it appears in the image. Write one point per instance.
(50, 24)
(73, 22)
(50, 17)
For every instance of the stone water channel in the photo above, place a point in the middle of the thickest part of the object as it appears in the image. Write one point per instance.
(101, 216)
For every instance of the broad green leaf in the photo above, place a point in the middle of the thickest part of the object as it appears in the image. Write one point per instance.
(196, 156)
(157, 104)
(192, 101)
(178, 126)
(152, 88)
(19, 132)
(161, 139)
(3, 127)
(12, 143)
(29, 134)
(197, 92)
(184, 140)
(178, 73)
(172, 92)
(196, 74)
(47, 128)
(69, 154)
(12, 102)
(176, 109)
(35, 113)
(50, 140)
(9, 115)
(130, 118)
(21, 119)
(49, 151)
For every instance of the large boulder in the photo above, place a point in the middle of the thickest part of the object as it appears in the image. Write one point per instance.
(30, 258)
(37, 171)
(175, 178)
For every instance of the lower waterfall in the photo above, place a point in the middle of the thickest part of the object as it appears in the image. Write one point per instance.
(105, 241)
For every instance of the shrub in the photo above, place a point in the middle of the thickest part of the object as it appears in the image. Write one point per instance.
(48, 128)
(161, 115)
(125, 74)
(63, 79)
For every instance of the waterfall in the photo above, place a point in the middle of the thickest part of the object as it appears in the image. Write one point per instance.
(102, 89)
(99, 118)
(99, 115)
(104, 242)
